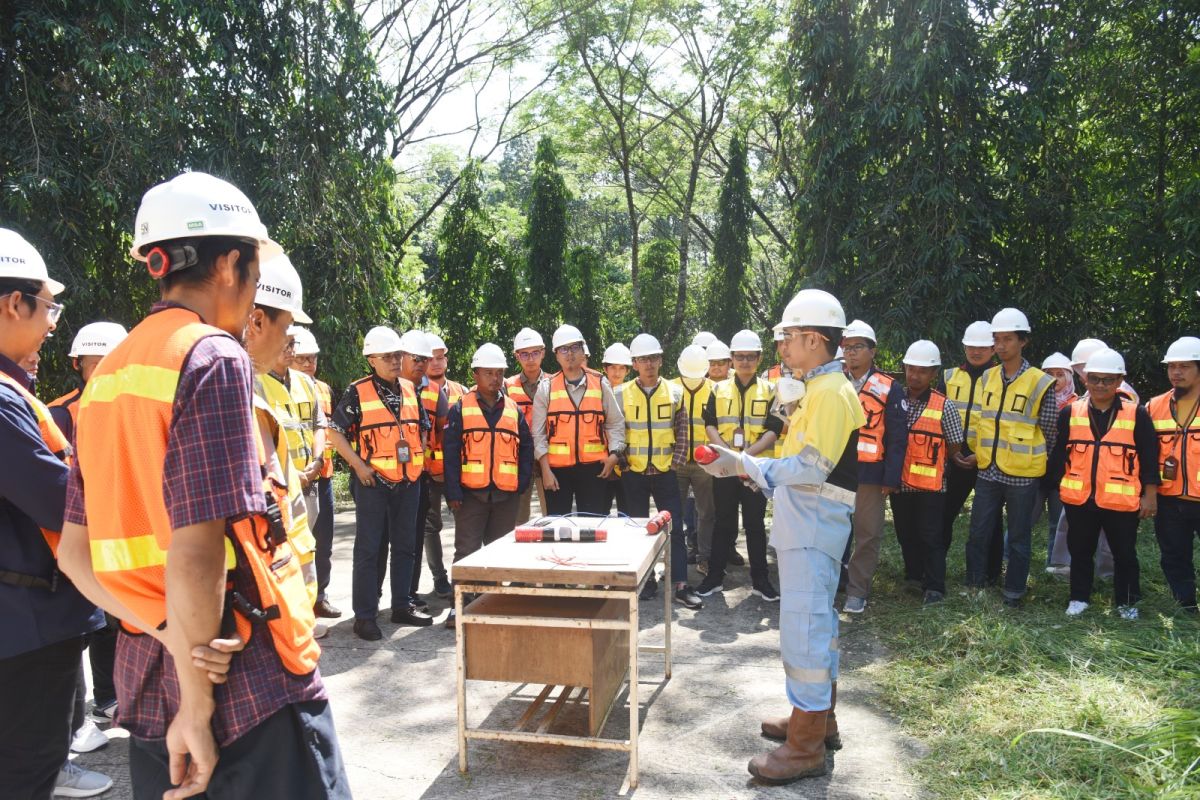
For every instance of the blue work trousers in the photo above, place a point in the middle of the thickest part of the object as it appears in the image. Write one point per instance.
(664, 488)
(808, 625)
(384, 517)
(990, 497)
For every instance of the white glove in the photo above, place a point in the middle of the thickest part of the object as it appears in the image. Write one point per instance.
(728, 464)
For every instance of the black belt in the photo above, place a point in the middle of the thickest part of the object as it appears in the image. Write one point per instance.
(24, 581)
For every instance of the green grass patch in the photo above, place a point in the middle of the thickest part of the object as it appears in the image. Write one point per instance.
(1033, 704)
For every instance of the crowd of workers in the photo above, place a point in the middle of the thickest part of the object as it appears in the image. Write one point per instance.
(204, 434)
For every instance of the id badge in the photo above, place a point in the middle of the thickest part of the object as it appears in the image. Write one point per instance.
(739, 438)
(403, 455)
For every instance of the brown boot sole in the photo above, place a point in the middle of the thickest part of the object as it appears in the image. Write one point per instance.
(812, 772)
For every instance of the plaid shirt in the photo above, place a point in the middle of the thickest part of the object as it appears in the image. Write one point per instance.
(952, 430)
(211, 472)
(1047, 421)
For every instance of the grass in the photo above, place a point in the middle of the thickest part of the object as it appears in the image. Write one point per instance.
(1031, 704)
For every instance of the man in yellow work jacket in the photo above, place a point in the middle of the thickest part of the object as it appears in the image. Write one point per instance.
(693, 371)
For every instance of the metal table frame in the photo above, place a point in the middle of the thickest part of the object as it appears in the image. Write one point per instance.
(540, 736)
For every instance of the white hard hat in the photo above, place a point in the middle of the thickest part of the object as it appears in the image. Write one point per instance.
(693, 362)
(858, 329)
(306, 343)
(586, 351)
(526, 338)
(1056, 360)
(435, 342)
(923, 353)
(703, 338)
(416, 343)
(745, 340)
(1186, 348)
(840, 352)
(381, 339)
(617, 354)
(1105, 362)
(279, 287)
(1009, 320)
(718, 351)
(644, 345)
(19, 259)
(813, 308)
(97, 339)
(488, 356)
(566, 334)
(978, 334)
(196, 204)
(1084, 349)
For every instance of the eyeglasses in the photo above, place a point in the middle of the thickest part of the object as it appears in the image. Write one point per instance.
(1111, 380)
(388, 356)
(570, 349)
(308, 359)
(531, 355)
(418, 359)
(647, 360)
(53, 310)
(855, 348)
(746, 356)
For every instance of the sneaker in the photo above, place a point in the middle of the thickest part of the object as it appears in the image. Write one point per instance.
(105, 713)
(650, 590)
(88, 738)
(1062, 571)
(419, 603)
(442, 588)
(702, 567)
(766, 591)
(735, 558)
(1012, 602)
(686, 596)
(75, 781)
(708, 587)
(1128, 612)
(1076, 607)
(854, 605)
(320, 630)
(932, 598)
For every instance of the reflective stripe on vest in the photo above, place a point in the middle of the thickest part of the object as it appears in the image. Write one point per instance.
(436, 463)
(293, 407)
(694, 402)
(382, 435)
(325, 398)
(965, 392)
(873, 396)
(53, 437)
(1104, 469)
(490, 453)
(516, 390)
(575, 434)
(925, 456)
(650, 425)
(747, 411)
(291, 499)
(1009, 432)
(1178, 440)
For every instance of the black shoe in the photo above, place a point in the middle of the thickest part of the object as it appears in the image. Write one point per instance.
(709, 586)
(411, 616)
(451, 621)
(766, 591)
(323, 608)
(367, 630)
(686, 596)
(933, 598)
(1012, 602)
(420, 603)
(693, 557)
(442, 588)
(735, 558)
(650, 590)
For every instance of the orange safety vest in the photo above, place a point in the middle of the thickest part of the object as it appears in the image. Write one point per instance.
(925, 456)
(69, 401)
(429, 398)
(325, 398)
(775, 373)
(516, 390)
(125, 419)
(382, 436)
(576, 434)
(1105, 469)
(873, 396)
(52, 435)
(1178, 440)
(490, 453)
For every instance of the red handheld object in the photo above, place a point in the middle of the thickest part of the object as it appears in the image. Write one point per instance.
(705, 454)
(537, 533)
(658, 522)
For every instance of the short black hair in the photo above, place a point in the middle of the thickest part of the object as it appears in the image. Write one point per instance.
(271, 313)
(1023, 336)
(208, 249)
(26, 286)
(833, 338)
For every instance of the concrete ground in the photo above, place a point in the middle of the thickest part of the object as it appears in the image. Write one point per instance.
(394, 703)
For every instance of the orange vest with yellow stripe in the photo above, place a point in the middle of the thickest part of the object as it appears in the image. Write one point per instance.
(490, 454)
(575, 434)
(874, 396)
(55, 441)
(69, 401)
(382, 437)
(325, 398)
(1178, 439)
(925, 456)
(436, 463)
(516, 390)
(1106, 468)
(125, 419)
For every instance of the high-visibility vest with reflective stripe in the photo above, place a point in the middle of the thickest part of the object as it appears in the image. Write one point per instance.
(53, 437)
(650, 424)
(125, 419)
(296, 518)
(69, 401)
(694, 402)
(575, 434)
(774, 373)
(746, 411)
(965, 391)
(1009, 433)
(490, 452)
(1106, 468)
(873, 396)
(293, 406)
(1179, 440)
(325, 398)
(435, 461)
(516, 390)
(381, 435)
(925, 456)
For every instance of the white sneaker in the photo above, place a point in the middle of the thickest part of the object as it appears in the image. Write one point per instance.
(320, 630)
(75, 781)
(854, 605)
(1076, 607)
(88, 738)
(1128, 612)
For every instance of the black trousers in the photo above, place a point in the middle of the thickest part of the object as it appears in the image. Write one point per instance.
(614, 491)
(730, 494)
(918, 520)
(1176, 526)
(580, 486)
(102, 653)
(37, 698)
(1084, 524)
(959, 485)
(293, 754)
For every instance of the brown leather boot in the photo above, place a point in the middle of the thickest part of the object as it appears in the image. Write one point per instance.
(776, 727)
(801, 756)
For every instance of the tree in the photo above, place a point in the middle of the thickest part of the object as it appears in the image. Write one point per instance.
(658, 278)
(584, 267)
(465, 252)
(546, 240)
(726, 306)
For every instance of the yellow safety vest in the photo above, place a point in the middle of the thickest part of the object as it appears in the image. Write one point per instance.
(1008, 422)
(294, 406)
(299, 532)
(694, 403)
(965, 392)
(746, 411)
(650, 424)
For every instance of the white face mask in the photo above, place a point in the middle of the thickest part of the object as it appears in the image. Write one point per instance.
(789, 390)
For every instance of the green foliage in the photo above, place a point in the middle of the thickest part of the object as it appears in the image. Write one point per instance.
(465, 259)
(726, 298)
(584, 268)
(546, 238)
(658, 278)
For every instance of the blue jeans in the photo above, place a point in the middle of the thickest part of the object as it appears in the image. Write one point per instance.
(990, 497)
(383, 517)
(664, 488)
(323, 533)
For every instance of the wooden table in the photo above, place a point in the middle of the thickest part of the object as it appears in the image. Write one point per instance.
(560, 614)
